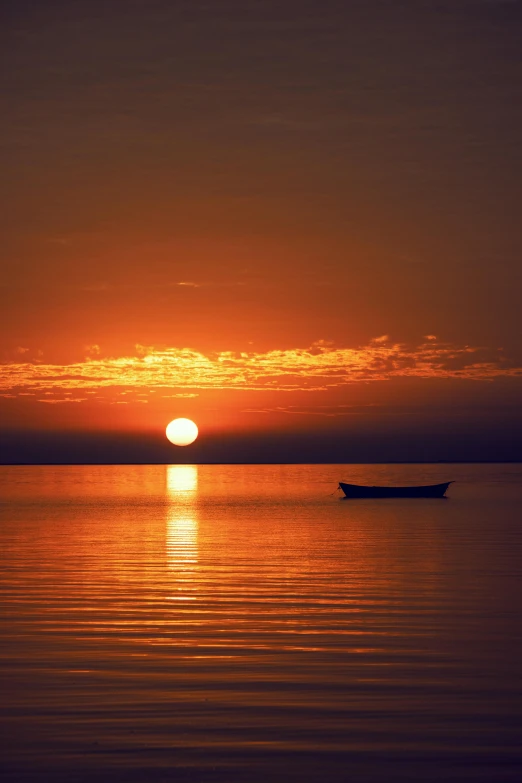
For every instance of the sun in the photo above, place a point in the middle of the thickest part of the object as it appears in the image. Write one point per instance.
(182, 432)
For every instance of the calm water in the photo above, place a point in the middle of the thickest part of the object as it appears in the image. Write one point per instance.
(238, 623)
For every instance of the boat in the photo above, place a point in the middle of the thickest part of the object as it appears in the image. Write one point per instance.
(429, 491)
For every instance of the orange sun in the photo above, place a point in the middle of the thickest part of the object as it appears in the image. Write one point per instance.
(182, 432)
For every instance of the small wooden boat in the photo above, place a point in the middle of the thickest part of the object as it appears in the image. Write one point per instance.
(429, 491)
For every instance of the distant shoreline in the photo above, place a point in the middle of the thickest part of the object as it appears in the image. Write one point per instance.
(322, 462)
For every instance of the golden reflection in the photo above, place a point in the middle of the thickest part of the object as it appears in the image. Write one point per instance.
(181, 479)
(182, 527)
(182, 540)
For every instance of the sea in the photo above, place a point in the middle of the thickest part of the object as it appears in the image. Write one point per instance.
(244, 623)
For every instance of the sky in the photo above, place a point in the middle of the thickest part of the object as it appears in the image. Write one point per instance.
(296, 223)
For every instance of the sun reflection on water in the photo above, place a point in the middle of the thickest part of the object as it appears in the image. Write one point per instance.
(182, 527)
(181, 479)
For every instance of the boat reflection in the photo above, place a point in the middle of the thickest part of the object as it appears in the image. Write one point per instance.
(182, 527)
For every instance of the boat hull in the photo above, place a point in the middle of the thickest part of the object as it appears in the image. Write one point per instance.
(429, 491)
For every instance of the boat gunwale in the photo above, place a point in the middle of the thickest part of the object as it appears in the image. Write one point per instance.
(360, 491)
(396, 487)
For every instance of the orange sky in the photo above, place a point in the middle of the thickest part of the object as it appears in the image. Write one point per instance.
(273, 218)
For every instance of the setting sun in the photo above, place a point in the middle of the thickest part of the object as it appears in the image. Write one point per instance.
(182, 432)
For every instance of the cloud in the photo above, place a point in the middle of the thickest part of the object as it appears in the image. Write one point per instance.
(330, 411)
(321, 366)
(183, 395)
(209, 284)
(59, 401)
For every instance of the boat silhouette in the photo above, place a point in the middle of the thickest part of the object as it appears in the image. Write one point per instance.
(428, 491)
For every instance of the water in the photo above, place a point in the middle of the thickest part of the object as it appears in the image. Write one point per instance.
(238, 623)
